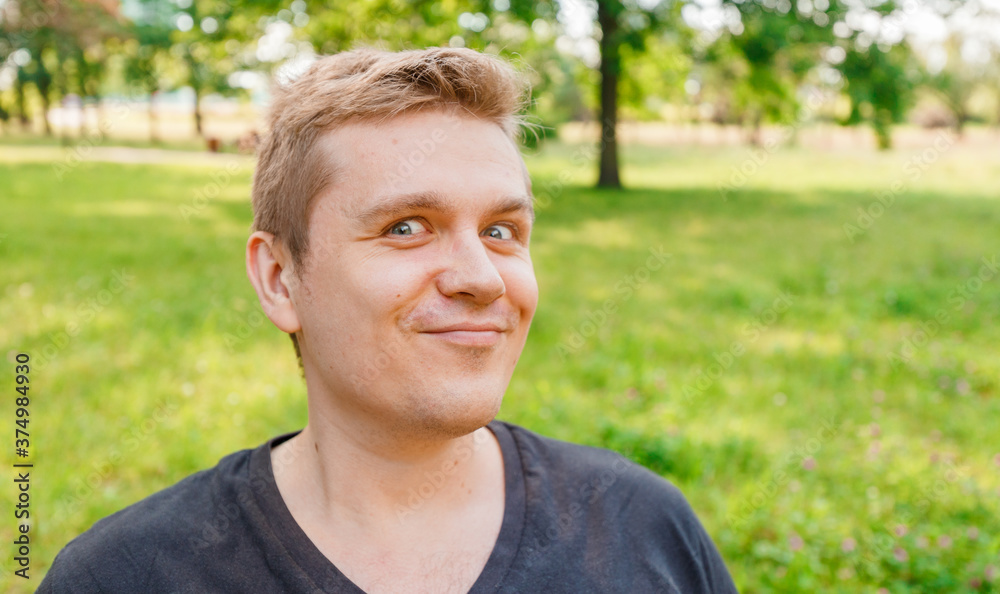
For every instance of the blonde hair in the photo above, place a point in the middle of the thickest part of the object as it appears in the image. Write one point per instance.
(366, 84)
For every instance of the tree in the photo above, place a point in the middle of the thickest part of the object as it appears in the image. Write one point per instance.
(969, 53)
(490, 27)
(656, 75)
(780, 44)
(607, 19)
(766, 55)
(54, 35)
(955, 84)
(146, 54)
(879, 87)
(620, 24)
(92, 66)
(208, 38)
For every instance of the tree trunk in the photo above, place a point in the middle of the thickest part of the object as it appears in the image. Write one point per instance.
(95, 109)
(61, 81)
(610, 67)
(197, 83)
(754, 132)
(99, 116)
(82, 122)
(43, 83)
(197, 112)
(43, 90)
(997, 123)
(22, 111)
(960, 119)
(90, 83)
(154, 137)
(4, 116)
(882, 122)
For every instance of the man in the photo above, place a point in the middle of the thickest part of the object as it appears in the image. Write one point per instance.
(392, 220)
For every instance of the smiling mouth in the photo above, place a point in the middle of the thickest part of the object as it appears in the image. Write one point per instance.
(467, 337)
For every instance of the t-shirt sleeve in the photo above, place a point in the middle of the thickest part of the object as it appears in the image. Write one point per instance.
(89, 566)
(120, 553)
(70, 574)
(674, 539)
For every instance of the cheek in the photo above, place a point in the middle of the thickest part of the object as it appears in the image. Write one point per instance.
(397, 278)
(522, 287)
(387, 287)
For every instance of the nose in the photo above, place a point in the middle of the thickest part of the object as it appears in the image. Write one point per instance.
(469, 273)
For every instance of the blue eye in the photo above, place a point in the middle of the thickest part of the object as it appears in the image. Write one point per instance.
(499, 232)
(407, 227)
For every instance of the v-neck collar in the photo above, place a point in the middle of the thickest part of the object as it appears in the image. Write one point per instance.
(321, 571)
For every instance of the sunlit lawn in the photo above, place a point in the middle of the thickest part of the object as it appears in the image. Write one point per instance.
(816, 461)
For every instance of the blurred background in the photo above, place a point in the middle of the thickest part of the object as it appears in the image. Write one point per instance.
(766, 245)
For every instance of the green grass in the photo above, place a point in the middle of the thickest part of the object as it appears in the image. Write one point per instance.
(11, 137)
(807, 440)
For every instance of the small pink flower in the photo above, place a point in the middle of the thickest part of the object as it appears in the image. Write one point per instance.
(922, 542)
(996, 460)
(848, 545)
(990, 572)
(809, 464)
(944, 541)
(900, 531)
(795, 542)
(874, 430)
(900, 554)
(972, 533)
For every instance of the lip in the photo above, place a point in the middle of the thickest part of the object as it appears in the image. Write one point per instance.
(475, 335)
(467, 327)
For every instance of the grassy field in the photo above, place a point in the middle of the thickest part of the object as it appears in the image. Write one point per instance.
(812, 358)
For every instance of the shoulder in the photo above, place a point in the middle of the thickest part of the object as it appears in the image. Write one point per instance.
(605, 470)
(669, 535)
(644, 515)
(119, 551)
(562, 455)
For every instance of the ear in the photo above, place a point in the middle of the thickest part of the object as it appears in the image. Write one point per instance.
(270, 271)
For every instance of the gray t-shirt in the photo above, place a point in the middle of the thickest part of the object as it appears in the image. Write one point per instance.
(576, 519)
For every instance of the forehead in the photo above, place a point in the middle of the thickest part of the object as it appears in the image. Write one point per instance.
(449, 153)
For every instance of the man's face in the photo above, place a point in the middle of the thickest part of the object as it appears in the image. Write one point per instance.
(418, 288)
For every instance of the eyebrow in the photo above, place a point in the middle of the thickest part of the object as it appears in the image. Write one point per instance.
(404, 204)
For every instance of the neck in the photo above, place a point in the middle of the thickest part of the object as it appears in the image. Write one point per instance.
(348, 474)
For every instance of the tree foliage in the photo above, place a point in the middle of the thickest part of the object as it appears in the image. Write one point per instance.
(879, 85)
(750, 61)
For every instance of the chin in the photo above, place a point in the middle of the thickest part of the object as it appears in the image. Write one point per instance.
(459, 410)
